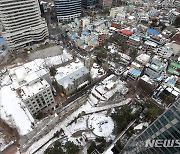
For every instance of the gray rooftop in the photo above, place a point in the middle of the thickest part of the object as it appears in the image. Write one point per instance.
(66, 80)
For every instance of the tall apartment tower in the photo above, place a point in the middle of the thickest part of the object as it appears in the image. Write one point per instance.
(67, 9)
(165, 131)
(22, 23)
(105, 4)
(88, 4)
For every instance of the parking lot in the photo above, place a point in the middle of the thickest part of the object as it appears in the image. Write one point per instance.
(48, 52)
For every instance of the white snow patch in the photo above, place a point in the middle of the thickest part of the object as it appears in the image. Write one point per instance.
(56, 60)
(101, 125)
(13, 111)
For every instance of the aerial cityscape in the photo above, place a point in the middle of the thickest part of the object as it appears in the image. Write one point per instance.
(89, 77)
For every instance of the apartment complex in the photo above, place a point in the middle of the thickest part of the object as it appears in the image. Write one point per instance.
(166, 127)
(33, 85)
(67, 9)
(37, 96)
(22, 23)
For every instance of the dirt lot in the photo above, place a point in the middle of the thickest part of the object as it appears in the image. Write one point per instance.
(11, 134)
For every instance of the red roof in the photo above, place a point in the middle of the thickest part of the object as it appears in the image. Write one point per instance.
(126, 31)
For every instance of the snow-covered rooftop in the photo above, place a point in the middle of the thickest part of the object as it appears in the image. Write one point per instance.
(33, 89)
(150, 43)
(71, 76)
(147, 79)
(143, 58)
(106, 89)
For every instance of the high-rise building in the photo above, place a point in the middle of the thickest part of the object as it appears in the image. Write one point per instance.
(162, 136)
(105, 4)
(88, 4)
(22, 23)
(67, 9)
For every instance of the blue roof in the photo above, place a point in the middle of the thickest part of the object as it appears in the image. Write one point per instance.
(90, 28)
(152, 31)
(157, 76)
(136, 37)
(135, 71)
(172, 81)
(85, 33)
(165, 21)
(73, 36)
(94, 40)
(2, 39)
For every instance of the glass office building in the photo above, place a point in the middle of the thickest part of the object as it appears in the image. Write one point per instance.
(166, 127)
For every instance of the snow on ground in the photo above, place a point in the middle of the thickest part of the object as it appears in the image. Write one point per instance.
(56, 60)
(46, 146)
(62, 125)
(79, 125)
(2, 142)
(68, 130)
(5, 80)
(141, 125)
(97, 71)
(102, 126)
(93, 99)
(13, 111)
(112, 48)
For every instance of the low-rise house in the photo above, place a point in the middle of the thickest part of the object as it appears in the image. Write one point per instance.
(124, 35)
(143, 59)
(133, 74)
(114, 11)
(125, 58)
(136, 66)
(163, 52)
(134, 41)
(168, 89)
(155, 67)
(147, 84)
(174, 68)
(149, 45)
(93, 42)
